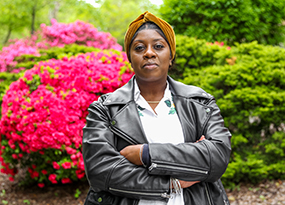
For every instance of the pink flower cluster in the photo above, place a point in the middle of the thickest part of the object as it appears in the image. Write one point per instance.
(47, 107)
(79, 32)
(8, 54)
(221, 44)
(59, 34)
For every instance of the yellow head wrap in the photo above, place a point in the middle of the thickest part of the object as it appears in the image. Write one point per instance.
(163, 25)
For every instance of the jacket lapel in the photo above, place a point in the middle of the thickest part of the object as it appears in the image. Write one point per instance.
(192, 115)
(125, 116)
(128, 121)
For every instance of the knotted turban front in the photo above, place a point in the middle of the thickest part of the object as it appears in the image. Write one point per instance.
(163, 25)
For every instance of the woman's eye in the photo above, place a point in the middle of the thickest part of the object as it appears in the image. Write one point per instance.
(139, 48)
(158, 46)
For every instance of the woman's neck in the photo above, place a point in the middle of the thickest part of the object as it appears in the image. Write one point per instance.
(152, 91)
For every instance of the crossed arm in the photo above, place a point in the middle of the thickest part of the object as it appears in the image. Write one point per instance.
(133, 152)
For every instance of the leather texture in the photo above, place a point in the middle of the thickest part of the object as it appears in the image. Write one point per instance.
(113, 123)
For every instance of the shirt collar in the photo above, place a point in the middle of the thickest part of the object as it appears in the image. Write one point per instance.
(137, 92)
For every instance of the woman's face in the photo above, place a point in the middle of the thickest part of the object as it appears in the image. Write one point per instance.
(150, 56)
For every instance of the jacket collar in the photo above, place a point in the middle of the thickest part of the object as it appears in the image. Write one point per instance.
(125, 94)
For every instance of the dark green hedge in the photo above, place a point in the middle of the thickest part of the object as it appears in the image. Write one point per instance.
(227, 20)
(28, 61)
(248, 82)
(194, 54)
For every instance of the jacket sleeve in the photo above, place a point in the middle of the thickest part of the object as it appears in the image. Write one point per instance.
(107, 170)
(206, 160)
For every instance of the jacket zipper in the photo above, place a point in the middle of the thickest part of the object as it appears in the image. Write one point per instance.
(111, 172)
(207, 193)
(163, 195)
(123, 136)
(154, 165)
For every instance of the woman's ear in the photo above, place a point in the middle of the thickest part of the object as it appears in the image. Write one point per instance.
(170, 62)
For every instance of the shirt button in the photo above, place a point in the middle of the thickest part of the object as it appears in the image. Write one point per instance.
(208, 110)
(100, 199)
(113, 122)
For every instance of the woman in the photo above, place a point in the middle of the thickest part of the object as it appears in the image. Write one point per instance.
(155, 140)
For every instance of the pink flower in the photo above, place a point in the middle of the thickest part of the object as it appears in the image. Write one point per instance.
(65, 180)
(11, 144)
(34, 174)
(55, 165)
(66, 165)
(15, 156)
(44, 172)
(70, 151)
(11, 179)
(41, 185)
(80, 174)
(52, 178)
(73, 157)
(30, 170)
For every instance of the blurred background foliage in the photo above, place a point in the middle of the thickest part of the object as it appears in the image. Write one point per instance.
(229, 21)
(219, 48)
(21, 18)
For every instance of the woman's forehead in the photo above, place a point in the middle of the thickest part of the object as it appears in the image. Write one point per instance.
(148, 34)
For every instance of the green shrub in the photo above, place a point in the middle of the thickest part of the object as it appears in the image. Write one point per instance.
(192, 53)
(5, 80)
(248, 82)
(28, 61)
(227, 20)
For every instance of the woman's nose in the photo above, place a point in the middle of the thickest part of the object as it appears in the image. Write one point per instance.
(149, 52)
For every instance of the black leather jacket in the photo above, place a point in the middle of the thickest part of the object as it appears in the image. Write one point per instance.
(113, 123)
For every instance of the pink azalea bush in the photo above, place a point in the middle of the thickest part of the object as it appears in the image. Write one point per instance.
(79, 32)
(17, 48)
(56, 35)
(43, 114)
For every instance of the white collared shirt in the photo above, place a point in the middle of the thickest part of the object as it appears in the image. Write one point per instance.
(161, 126)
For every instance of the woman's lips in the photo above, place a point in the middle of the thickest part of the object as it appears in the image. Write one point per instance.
(150, 66)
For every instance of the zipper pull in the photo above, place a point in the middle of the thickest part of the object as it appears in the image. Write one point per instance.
(165, 195)
(153, 165)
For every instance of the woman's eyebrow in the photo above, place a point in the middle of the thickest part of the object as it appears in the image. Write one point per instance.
(158, 39)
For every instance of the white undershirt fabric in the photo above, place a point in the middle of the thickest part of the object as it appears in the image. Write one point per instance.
(161, 126)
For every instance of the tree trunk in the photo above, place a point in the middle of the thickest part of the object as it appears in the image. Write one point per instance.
(33, 19)
(8, 34)
(54, 11)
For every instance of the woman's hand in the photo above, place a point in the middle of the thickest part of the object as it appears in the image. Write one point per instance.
(132, 153)
(185, 184)
(201, 138)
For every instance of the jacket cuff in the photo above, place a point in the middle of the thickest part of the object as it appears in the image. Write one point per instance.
(145, 155)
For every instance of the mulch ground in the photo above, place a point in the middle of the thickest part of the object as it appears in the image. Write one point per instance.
(266, 193)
